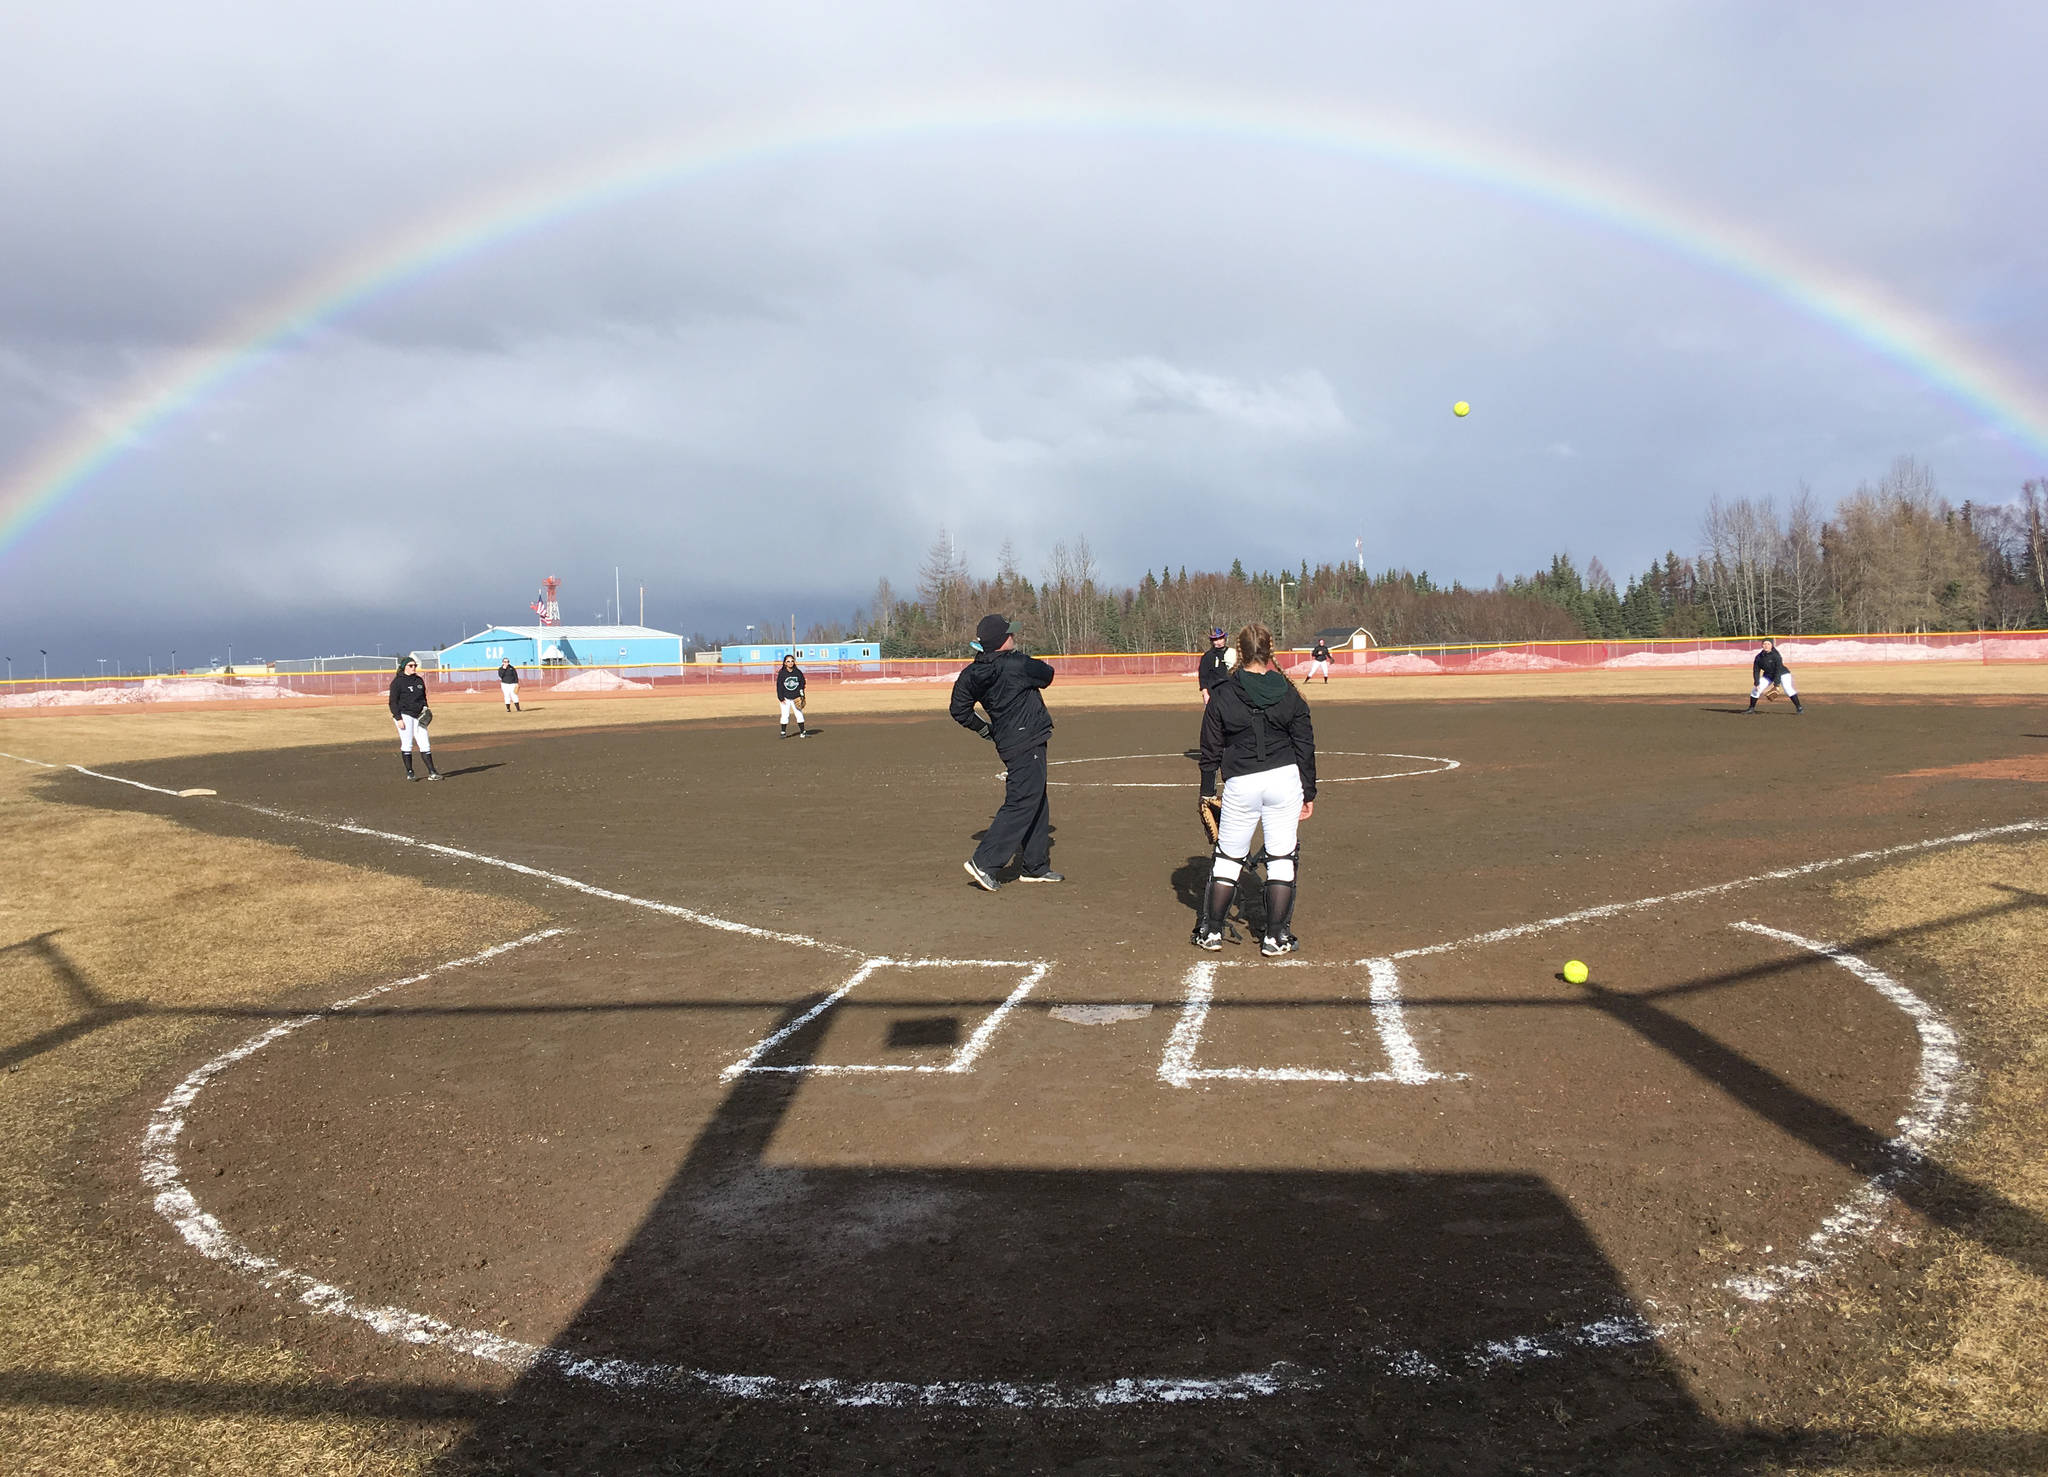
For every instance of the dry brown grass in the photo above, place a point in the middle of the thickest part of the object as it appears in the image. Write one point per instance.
(1973, 1400)
(118, 927)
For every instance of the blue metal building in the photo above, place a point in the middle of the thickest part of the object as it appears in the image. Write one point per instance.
(638, 650)
(768, 653)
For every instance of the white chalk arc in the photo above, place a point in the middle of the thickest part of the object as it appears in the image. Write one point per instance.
(1430, 764)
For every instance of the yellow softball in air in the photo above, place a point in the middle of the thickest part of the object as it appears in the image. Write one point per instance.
(1576, 971)
(1461, 408)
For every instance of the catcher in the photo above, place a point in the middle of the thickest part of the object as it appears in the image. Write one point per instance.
(1772, 678)
(789, 687)
(1258, 739)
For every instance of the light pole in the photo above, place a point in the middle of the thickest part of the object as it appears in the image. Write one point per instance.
(103, 668)
(1283, 612)
(46, 664)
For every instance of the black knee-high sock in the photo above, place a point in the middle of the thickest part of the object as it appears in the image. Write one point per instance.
(1279, 905)
(1221, 891)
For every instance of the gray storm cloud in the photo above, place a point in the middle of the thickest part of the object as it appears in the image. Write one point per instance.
(767, 385)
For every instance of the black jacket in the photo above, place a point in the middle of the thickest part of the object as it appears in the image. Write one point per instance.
(508, 672)
(408, 694)
(1769, 664)
(1006, 683)
(1320, 654)
(1247, 730)
(789, 682)
(1213, 668)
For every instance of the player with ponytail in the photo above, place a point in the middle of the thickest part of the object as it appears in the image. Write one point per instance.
(1258, 743)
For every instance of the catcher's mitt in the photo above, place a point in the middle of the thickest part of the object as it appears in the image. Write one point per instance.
(426, 717)
(1773, 693)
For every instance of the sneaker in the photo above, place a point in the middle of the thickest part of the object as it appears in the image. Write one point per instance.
(1207, 938)
(1048, 875)
(982, 879)
(433, 774)
(803, 733)
(1274, 945)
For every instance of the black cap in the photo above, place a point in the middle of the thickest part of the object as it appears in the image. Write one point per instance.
(992, 631)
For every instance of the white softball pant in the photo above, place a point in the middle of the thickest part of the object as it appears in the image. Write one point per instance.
(1764, 683)
(409, 733)
(509, 691)
(1271, 798)
(1319, 669)
(791, 710)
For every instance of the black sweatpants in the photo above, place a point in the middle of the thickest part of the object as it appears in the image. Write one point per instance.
(1023, 827)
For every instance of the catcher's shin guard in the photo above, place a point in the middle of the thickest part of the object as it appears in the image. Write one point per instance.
(1217, 895)
(1280, 895)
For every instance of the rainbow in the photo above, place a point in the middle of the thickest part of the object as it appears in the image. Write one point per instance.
(1891, 328)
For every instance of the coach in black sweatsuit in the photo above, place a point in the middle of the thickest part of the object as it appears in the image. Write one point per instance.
(1006, 683)
(1215, 663)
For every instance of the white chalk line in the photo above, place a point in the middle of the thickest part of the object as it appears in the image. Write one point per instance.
(1440, 766)
(963, 1058)
(1934, 1091)
(671, 910)
(206, 1235)
(1849, 1220)
(1693, 894)
(96, 774)
(1178, 1068)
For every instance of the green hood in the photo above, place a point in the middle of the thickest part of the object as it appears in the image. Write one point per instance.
(1263, 689)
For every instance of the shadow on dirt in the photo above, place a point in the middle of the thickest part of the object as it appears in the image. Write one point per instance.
(1145, 1321)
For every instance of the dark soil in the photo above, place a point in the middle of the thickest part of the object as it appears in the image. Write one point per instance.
(544, 1147)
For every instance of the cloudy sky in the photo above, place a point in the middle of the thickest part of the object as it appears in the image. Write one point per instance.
(328, 327)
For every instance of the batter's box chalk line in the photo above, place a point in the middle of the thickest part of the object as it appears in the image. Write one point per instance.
(1177, 1067)
(964, 1056)
(1933, 1104)
(1936, 1106)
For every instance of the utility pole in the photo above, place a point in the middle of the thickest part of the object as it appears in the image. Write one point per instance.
(46, 664)
(618, 609)
(1283, 612)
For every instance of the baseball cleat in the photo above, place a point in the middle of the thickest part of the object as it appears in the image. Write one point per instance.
(1274, 945)
(1048, 875)
(982, 879)
(1207, 938)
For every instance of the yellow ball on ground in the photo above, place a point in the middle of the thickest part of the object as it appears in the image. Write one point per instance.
(1461, 408)
(1576, 971)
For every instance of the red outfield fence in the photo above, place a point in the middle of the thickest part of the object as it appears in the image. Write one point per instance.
(1979, 647)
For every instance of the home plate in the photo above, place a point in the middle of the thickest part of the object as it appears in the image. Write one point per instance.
(1099, 1015)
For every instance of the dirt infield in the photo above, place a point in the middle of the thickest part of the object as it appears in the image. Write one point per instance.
(786, 1148)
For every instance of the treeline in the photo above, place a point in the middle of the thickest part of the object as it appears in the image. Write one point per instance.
(1892, 557)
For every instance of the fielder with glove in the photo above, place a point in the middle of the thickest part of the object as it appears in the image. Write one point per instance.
(410, 712)
(789, 687)
(1772, 678)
